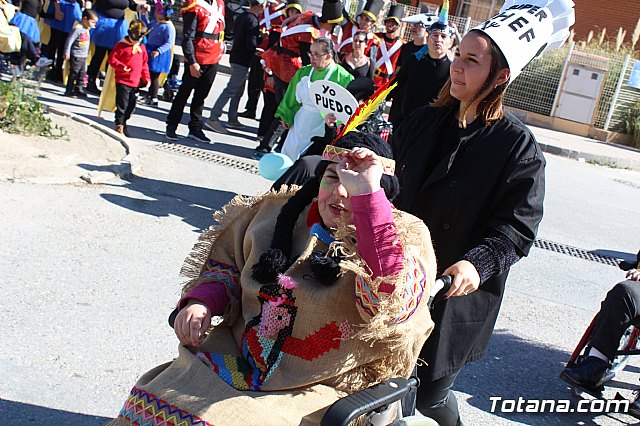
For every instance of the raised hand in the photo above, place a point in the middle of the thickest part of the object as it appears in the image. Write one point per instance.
(360, 171)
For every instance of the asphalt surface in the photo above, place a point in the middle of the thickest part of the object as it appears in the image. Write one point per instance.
(91, 272)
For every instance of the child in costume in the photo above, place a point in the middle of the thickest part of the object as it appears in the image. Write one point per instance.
(160, 41)
(130, 63)
(26, 18)
(76, 50)
(323, 292)
(60, 16)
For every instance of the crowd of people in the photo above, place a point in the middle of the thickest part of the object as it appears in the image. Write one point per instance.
(332, 257)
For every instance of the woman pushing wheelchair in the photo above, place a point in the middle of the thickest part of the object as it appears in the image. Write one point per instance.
(323, 291)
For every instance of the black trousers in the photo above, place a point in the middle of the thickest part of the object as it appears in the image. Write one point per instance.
(255, 83)
(200, 87)
(436, 400)
(619, 310)
(77, 70)
(269, 140)
(268, 111)
(96, 61)
(125, 102)
(300, 172)
(55, 49)
(154, 85)
(28, 49)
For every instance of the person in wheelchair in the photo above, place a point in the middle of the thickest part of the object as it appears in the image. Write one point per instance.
(323, 291)
(619, 310)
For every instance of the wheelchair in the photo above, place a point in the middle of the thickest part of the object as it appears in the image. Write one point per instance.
(379, 405)
(629, 345)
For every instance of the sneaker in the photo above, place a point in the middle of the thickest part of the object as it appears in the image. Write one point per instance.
(588, 374)
(170, 133)
(120, 129)
(199, 136)
(235, 125)
(43, 62)
(151, 101)
(81, 94)
(70, 94)
(248, 114)
(260, 152)
(216, 126)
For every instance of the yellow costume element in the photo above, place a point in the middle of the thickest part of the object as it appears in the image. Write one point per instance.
(10, 39)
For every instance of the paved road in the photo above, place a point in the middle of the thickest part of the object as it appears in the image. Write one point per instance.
(90, 273)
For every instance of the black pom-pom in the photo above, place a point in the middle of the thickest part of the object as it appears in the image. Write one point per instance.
(271, 263)
(325, 269)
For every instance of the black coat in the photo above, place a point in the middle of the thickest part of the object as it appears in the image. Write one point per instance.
(491, 180)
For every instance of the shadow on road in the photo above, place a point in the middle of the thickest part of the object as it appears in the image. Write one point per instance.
(19, 413)
(515, 368)
(195, 205)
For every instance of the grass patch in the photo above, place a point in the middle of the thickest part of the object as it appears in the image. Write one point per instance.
(22, 113)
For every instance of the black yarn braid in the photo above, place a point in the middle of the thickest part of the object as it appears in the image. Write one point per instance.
(277, 259)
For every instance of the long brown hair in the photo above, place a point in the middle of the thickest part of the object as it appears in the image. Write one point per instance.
(490, 107)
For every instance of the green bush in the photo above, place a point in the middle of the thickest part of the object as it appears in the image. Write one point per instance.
(631, 122)
(22, 113)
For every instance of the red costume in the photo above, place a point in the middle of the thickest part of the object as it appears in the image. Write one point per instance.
(208, 43)
(345, 45)
(132, 55)
(285, 58)
(387, 57)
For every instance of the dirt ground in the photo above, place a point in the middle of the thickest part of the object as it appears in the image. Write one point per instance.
(42, 160)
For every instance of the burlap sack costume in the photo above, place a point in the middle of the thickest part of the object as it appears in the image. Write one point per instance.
(286, 351)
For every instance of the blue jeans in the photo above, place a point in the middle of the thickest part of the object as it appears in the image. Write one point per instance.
(232, 93)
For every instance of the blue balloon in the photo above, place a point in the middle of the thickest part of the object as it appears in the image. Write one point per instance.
(273, 165)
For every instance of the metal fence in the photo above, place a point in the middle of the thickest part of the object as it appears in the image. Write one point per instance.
(535, 89)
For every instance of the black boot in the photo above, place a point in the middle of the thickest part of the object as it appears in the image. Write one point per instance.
(588, 374)
(92, 87)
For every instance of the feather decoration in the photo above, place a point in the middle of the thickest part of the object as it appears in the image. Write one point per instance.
(366, 109)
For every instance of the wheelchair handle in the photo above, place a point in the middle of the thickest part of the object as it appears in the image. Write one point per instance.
(440, 287)
(346, 409)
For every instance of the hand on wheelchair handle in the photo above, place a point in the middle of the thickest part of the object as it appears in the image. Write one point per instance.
(466, 279)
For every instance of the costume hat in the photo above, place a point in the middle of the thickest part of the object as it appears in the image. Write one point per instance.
(396, 12)
(372, 9)
(443, 21)
(426, 19)
(524, 29)
(295, 4)
(331, 12)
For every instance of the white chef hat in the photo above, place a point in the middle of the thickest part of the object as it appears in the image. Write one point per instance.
(524, 29)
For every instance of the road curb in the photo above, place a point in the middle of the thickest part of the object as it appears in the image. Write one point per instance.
(127, 166)
(602, 160)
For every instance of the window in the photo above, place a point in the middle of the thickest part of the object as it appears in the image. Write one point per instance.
(479, 10)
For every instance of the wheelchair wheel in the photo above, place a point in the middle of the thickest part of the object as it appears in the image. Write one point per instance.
(629, 340)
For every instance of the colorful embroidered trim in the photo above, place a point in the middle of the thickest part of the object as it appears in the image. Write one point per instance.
(228, 275)
(322, 234)
(145, 409)
(367, 301)
(332, 153)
